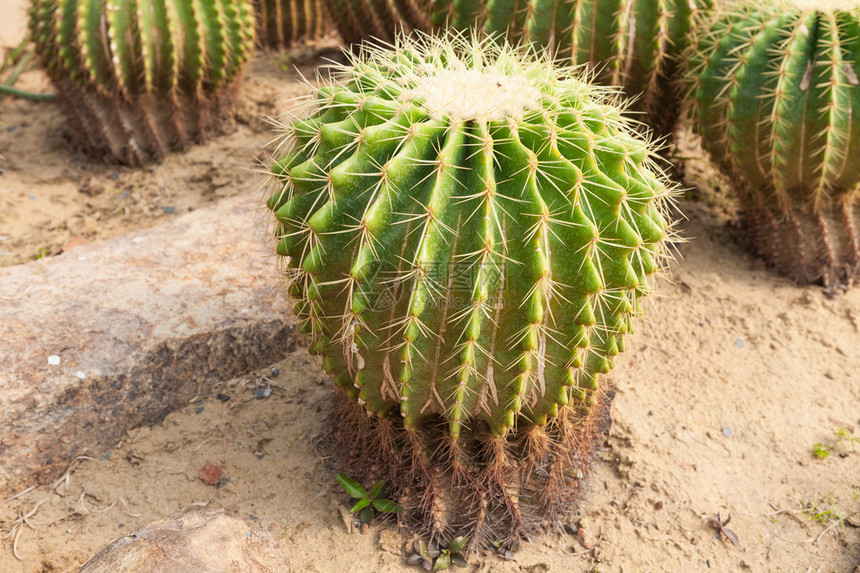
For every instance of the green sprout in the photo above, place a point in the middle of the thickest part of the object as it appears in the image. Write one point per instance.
(368, 503)
(816, 511)
(843, 437)
(432, 558)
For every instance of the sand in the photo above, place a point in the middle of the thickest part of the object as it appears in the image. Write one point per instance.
(722, 397)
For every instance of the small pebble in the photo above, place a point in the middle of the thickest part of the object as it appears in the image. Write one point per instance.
(169, 209)
(32, 197)
(650, 412)
(585, 538)
(124, 194)
(80, 375)
(11, 129)
(114, 176)
(106, 457)
(740, 342)
(261, 393)
(199, 410)
(210, 474)
(54, 360)
(275, 371)
(222, 397)
(727, 432)
(253, 517)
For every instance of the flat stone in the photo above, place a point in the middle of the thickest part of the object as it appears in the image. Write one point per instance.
(112, 336)
(200, 540)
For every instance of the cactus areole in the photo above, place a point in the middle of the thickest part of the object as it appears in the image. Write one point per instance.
(774, 93)
(137, 78)
(469, 235)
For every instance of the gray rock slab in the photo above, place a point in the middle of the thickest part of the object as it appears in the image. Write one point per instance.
(112, 336)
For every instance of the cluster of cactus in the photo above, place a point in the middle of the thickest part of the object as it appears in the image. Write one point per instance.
(469, 234)
(774, 93)
(283, 23)
(138, 78)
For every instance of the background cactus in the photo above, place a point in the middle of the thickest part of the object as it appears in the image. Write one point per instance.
(637, 44)
(139, 77)
(282, 23)
(381, 20)
(469, 236)
(774, 93)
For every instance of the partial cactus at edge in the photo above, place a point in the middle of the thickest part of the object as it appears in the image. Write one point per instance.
(138, 78)
(282, 23)
(774, 93)
(469, 234)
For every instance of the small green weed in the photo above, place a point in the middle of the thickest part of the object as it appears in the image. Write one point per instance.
(843, 438)
(434, 558)
(823, 510)
(368, 503)
(821, 451)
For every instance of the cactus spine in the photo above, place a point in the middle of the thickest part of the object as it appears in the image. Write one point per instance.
(774, 93)
(469, 235)
(282, 23)
(139, 77)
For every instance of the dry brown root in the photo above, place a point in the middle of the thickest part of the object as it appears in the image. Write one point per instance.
(497, 490)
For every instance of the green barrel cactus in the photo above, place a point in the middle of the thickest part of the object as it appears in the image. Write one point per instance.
(774, 93)
(468, 235)
(282, 23)
(137, 78)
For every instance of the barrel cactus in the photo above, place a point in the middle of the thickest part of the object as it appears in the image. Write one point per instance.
(137, 78)
(468, 234)
(774, 93)
(282, 23)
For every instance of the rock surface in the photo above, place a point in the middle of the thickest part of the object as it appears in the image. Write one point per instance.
(109, 337)
(199, 540)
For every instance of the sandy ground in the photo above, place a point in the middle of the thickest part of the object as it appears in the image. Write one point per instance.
(722, 398)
